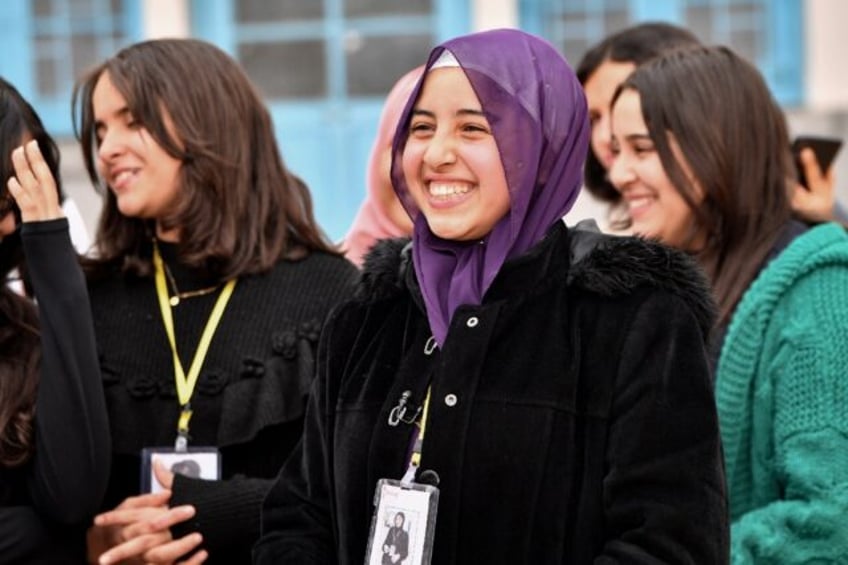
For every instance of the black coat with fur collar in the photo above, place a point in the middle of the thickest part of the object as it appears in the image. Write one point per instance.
(572, 418)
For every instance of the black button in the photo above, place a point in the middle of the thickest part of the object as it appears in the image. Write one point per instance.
(429, 477)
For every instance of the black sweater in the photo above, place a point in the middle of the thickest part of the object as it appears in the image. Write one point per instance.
(250, 396)
(46, 504)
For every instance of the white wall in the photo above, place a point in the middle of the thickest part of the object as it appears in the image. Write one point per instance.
(826, 67)
(166, 18)
(493, 14)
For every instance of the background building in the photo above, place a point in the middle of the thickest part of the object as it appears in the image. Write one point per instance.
(325, 65)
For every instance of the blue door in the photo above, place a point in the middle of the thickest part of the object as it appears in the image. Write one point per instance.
(46, 44)
(324, 67)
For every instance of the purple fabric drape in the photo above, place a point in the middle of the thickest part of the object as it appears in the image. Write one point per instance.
(536, 108)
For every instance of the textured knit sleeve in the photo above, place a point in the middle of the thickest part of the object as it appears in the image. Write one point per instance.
(297, 516)
(227, 511)
(664, 493)
(808, 520)
(71, 463)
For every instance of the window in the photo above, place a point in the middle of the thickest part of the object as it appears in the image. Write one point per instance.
(324, 68)
(55, 41)
(767, 33)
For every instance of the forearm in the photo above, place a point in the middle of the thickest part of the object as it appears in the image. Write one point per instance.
(71, 463)
(227, 511)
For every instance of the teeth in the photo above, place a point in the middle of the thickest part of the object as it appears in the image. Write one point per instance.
(639, 202)
(122, 176)
(448, 189)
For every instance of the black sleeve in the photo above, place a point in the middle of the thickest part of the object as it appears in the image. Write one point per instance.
(227, 511)
(22, 533)
(71, 463)
(664, 491)
(297, 526)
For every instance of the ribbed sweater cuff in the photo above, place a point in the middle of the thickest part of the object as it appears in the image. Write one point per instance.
(227, 511)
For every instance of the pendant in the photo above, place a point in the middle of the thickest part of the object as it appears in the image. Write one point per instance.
(174, 301)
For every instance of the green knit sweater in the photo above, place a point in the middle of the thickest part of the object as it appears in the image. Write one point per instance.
(782, 393)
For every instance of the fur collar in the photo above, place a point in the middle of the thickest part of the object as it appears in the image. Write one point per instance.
(603, 264)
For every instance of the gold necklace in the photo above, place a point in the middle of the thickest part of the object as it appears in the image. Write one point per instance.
(174, 300)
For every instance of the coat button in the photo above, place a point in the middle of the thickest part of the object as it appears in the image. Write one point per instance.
(472, 321)
(450, 400)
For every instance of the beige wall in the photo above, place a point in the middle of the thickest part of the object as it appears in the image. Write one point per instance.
(826, 68)
(166, 18)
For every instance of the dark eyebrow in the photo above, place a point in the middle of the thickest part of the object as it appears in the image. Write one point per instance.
(463, 112)
(122, 113)
(637, 137)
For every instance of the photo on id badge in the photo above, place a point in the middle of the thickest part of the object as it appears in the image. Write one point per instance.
(193, 464)
(399, 528)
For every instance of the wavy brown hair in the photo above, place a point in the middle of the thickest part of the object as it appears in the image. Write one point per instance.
(239, 210)
(19, 339)
(18, 120)
(19, 358)
(733, 136)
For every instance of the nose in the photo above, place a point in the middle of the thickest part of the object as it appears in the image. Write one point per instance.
(440, 151)
(621, 172)
(111, 145)
(601, 140)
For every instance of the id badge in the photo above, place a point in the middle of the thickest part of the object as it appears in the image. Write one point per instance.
(194, 462)
(403, 524)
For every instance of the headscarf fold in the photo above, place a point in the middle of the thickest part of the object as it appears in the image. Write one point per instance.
(537, 111)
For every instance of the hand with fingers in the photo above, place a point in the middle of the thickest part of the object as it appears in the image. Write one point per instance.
(815, 202)
(138, 530)
(33, 186)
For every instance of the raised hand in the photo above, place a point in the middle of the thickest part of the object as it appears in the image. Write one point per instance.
(33, 186)
(816, 202)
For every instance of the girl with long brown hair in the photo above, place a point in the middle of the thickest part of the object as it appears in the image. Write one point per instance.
(210, 285)
(703, 164)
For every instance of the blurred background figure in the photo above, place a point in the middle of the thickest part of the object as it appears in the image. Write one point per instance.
(381, 214)
(600, 71)
(19, 123)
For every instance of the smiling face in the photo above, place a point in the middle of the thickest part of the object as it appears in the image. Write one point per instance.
(451, 161)
(654, 204)
(143, 177)
(599, 89)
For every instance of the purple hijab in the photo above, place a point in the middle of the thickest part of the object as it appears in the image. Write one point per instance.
(536, 108)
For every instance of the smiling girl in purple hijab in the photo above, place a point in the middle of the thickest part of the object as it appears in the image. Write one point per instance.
(546, 389)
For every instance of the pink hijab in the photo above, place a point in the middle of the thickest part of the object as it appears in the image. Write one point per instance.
(373, 220)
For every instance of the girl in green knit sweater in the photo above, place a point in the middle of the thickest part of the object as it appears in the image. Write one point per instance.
(703, 164)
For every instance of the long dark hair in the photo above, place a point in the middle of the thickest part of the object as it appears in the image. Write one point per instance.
(637, 44)
(18, 120)
(733, 137)
(19, 338)
(19, 356)
(239, 210)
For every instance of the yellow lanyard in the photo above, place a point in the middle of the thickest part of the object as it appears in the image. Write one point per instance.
(185, 384)
(415, 458)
